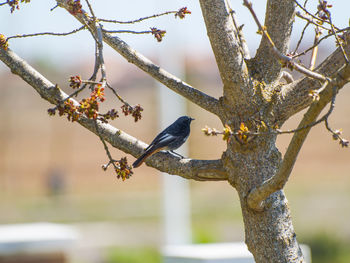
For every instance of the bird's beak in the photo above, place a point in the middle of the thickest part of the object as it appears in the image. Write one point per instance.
(192, 119)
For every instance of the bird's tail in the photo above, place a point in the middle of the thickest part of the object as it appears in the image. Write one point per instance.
(142, 158)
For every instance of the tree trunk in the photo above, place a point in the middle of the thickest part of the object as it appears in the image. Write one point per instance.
(269, 234)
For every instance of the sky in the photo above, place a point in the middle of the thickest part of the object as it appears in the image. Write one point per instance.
(188, 34)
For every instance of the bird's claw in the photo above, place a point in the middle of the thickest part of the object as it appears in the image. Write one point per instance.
(177, 154)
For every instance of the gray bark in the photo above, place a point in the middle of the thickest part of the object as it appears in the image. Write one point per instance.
(269, 233)
(294, 96)
(279, 19)
(229, 55)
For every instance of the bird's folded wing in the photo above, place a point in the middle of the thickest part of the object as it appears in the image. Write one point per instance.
(162, 140)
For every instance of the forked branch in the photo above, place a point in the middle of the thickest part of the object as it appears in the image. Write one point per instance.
(188, 168)
(203, 100)
(279, 19)
(287, 60)
(294, 97)
(257, 196)
(229, 51)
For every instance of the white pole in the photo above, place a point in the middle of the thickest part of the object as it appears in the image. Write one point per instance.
(176, 200)
(177, 219)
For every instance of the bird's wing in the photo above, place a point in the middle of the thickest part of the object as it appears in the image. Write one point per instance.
(163, 139)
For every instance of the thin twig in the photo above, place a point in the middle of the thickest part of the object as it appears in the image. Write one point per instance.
(310, 20)
(301, 37)
(315, 49)
(91, 82)
(323, 118)
(53, 8)
(99, 41)
(99, 60)
(280, 132)
(111, 160)
(75, 93)
(283, 57)
(136, 20)
(60, 103)
(117, 95)
(318, 42)
(330, 129)
(100, 54)
(337, 38)
(316, 93)
(96, 68)
(47, 33)
(336, 135)
(307, 12)
(91, 10)
(90, 25)
(127, 31)
(3, 3)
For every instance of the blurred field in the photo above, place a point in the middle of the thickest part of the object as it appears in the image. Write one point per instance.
(35, 147)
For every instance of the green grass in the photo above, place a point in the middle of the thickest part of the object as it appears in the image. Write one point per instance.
(216, 215)
(327, 248)
(133, 255)
(204, 234)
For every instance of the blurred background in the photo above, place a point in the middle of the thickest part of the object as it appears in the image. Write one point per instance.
(50, 169)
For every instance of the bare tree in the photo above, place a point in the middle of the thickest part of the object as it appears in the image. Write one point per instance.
(259, 95)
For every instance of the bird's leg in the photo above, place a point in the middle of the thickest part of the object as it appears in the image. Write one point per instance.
(177, 154)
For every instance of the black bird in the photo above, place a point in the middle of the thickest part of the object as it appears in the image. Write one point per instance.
(169, 139)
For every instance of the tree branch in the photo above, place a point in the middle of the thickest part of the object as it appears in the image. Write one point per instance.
(242, 41)
(279, 19)
(257, 196)
(315, 49)
(177, 85)
(136, 20)
(287, 76)
(294, 97)
(47, 33)
(165, 162)
(229, 55)
(199, 170)
(283, 58)
(315, 17)
(295, 55)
